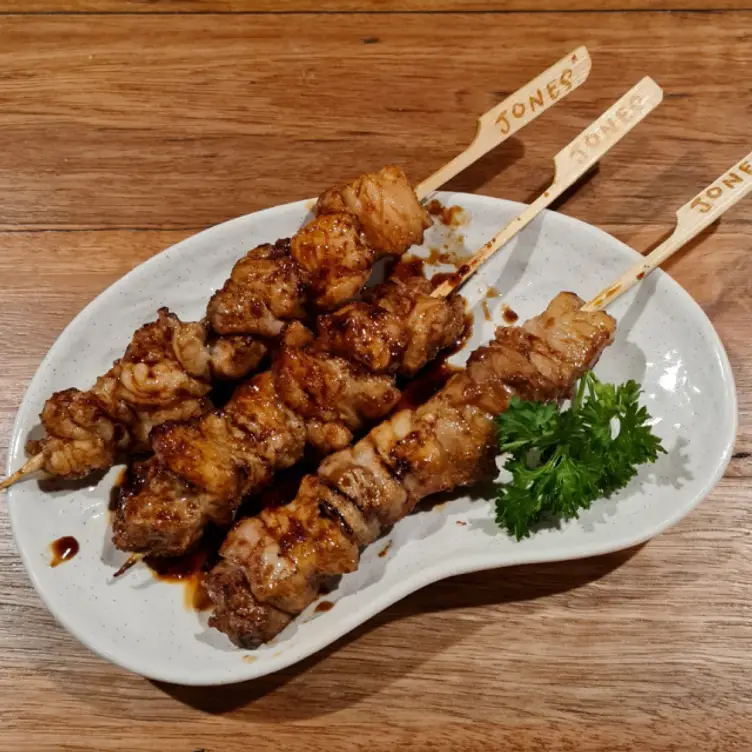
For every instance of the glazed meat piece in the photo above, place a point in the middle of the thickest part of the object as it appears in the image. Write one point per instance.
(294, 549)
(147, 501)
(386, 206)
(206, 355)
(81, 437)
(433, 324)
(212, 453)
(576, 336)
(151, 374)
(220, 452)
(367, 334)
(324, 387)
(398, 327)
(360, 474)
(279, 434)
(246, 621)
(333, 258)
(234, 357)
(448, 442)
(264, 290)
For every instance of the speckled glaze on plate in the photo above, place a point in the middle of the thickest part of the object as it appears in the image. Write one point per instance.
(664, 341)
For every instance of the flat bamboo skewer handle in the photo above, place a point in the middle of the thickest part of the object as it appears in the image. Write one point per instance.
(691, 220)
(516, 111)
(570, 164)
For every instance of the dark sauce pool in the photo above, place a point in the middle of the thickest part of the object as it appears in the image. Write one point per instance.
(486, 311)
(63, 549)
(427, 383)
(451, 216)
(190, 569)
(408, 267)
(510, 316)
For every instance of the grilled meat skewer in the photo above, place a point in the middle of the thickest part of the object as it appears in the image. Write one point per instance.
(165, 374)
(318, 392)
(273, 565)
(168, 368)
(327, 261)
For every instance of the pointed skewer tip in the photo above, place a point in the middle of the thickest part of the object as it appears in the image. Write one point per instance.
(29, 467)
(131, 561)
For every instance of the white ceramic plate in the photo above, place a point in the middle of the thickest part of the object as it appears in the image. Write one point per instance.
(664, 341)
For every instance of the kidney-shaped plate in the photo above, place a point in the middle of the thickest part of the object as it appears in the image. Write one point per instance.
(664, 341)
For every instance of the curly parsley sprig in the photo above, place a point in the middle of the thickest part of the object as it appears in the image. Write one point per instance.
(561, 461)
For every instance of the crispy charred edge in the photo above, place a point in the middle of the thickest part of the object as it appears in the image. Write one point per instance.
(330, 512)
(138, 475)
(237, 613)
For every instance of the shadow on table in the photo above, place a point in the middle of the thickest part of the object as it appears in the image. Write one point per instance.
(481, 172)
(337, 677)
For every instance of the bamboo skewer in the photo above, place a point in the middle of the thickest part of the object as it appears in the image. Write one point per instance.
(516, 111)
(130, 562)
(494, 127)
(570, 164)
(691, 220)
(29, 467)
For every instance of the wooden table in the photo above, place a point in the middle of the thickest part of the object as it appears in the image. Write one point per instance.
(127, 125)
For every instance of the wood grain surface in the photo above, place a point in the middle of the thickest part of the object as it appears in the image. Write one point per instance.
(122, 134)
(360, 6)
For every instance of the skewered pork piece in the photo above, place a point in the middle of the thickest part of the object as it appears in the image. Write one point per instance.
(386, 206)
(168, 368)
(318, 393)
(326, 262)
(165, 374)
(273, 565)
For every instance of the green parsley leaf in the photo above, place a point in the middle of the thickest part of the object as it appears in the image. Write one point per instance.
(561, 461)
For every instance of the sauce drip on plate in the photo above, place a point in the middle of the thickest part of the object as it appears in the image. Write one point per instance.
(63, 549)
(510, 316)
(451, 216)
